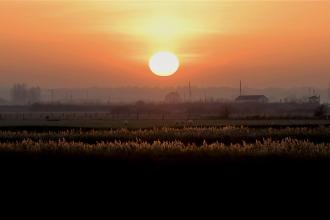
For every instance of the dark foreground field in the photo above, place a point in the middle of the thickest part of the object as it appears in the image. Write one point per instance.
(191, 175)
(226, 154)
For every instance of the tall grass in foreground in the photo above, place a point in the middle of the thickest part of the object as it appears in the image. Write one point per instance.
(157, 149)
(186, 135)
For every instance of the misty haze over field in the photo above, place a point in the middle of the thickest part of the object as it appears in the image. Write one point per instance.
(157, 94)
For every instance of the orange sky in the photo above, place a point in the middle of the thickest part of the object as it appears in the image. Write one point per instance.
(108, 43)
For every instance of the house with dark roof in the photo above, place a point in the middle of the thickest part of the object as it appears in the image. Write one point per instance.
(252, 98)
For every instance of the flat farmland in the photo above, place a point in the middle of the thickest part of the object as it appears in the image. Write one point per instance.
(152, 123)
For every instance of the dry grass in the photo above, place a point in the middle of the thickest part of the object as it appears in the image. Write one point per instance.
(157, 149)
(187, 135)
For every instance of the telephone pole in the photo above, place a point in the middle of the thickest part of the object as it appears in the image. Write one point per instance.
(329, 94)
(51, 95)
(189, 91)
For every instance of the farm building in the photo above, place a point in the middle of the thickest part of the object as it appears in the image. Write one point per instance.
(252, 98)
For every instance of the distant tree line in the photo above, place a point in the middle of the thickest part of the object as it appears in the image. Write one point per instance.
(21, 94)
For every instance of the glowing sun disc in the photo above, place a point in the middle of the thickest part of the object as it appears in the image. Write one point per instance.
(164, 63)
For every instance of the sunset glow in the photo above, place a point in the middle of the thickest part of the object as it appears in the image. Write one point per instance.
(64, 43)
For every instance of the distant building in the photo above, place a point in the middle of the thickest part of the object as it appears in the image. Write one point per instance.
(252, 98)
(314, 99)
(21, 94)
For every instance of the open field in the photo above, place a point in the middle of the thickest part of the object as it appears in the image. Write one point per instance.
(152, 123)
(187, 135)
(202, 140)
(243, 147)
(225, 152)
(176, 150)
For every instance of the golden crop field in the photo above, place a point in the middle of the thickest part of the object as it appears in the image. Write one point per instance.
(207, 142)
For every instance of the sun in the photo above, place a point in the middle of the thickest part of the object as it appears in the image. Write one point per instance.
(164, 63)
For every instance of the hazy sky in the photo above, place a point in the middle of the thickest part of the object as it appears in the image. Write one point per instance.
(108, 43)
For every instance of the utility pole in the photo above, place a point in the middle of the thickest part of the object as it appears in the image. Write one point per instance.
(189, 91)
(329, 94)
(67, 96)
(184, 96)
(240, 88)
(51, 95)
(71, 99)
